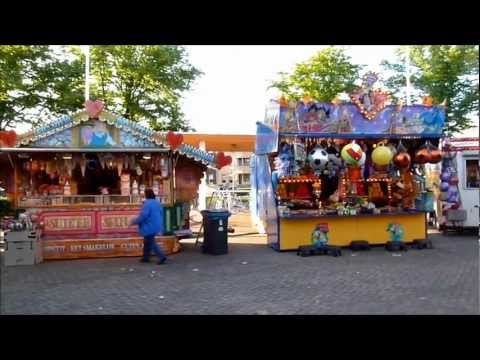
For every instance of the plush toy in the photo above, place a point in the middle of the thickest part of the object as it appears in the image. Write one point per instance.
(404, 190)
(334, 161)
(284, 164)
(318, 159)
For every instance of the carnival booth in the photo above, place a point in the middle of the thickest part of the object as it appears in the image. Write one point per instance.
(351, 170)
(81, 179)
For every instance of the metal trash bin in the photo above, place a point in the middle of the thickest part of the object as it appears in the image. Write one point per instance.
(215, 231)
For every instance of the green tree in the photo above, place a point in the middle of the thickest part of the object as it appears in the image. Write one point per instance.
(139, 82)
(37, 82)
(322, 77)
(444, 72)
(143, 82)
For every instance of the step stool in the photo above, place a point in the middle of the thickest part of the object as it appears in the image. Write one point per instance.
(421, 244)
(395, 246)
(359, 245)
(310, 250)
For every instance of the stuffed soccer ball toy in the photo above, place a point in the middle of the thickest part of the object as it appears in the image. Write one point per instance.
(318, 159)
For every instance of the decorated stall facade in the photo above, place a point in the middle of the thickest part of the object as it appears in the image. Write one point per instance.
(82, 178)
(354, 167)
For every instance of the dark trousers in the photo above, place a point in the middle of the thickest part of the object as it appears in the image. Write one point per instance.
(149, 243)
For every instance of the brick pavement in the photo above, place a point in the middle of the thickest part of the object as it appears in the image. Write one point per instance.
(440, 281)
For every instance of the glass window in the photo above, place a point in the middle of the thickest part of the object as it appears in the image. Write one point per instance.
(243, 161)
(244, 179)
(472, 175)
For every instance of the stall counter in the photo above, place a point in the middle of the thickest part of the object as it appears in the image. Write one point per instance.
(296, 230)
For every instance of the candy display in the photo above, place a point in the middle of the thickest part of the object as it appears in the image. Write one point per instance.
(85, 177)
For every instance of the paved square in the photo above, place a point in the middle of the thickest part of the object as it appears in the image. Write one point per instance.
(253, 279)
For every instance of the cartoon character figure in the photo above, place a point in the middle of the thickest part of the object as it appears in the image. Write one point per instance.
(344, 124)
(318, 159)
(319, 236)
(98, 136)
(396, 232)
(433, 119)
(283, 163)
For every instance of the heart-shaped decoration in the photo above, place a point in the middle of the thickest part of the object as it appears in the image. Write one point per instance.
(8, 138)
(174, 140)
(223, 160)
(94, 108)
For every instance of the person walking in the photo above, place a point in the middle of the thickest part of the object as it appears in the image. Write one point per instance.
(150, 223)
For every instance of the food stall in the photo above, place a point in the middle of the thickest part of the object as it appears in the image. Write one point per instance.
(351, 169)
(82, 178)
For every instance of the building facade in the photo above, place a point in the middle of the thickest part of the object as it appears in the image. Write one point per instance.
(236, 175)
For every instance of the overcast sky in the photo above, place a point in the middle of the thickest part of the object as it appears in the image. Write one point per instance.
(232, 94)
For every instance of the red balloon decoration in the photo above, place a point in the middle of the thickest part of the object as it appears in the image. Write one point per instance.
(8, 138)
(435, 156)
(422, 156)
(428, 154)
(402, 160)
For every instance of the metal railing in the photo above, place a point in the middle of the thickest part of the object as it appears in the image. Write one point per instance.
(82, 199)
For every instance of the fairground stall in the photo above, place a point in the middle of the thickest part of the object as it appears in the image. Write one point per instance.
(346, 171)
(81, 179)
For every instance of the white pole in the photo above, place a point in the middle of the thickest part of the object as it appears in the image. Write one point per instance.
(86, 51)
(407, 71)
(202, 191)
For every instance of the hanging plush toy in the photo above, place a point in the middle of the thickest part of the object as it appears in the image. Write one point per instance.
(404, 190)
(283, 163)
(318, 159)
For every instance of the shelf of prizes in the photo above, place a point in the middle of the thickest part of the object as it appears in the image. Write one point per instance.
(78, 181)
(354, 170)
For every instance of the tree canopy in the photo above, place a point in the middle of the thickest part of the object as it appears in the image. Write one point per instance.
(322, 77)
(37, 81)
(138, 82)
(444, 72)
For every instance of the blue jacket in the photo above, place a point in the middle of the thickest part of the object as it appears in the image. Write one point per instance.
(150, 221)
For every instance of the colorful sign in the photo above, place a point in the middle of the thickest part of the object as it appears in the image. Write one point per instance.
(68, 223)
(96, 134)
(348, 119)
(97, 248)
(116, 221)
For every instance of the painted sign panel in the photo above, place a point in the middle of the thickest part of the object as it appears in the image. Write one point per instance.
(98, 248)
(116, 221)
(96, 133)
(347, 118)
(75, 222)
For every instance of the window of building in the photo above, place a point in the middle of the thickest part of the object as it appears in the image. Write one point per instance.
(472, 175)
(243, 161)
(211, 176)
(244, 179)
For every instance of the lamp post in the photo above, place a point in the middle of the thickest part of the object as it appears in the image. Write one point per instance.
(86, 51)
(407, 73)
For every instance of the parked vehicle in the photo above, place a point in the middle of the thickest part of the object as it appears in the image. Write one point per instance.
(466, 161)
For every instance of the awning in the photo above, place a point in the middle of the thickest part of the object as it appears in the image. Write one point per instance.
(83, 150)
